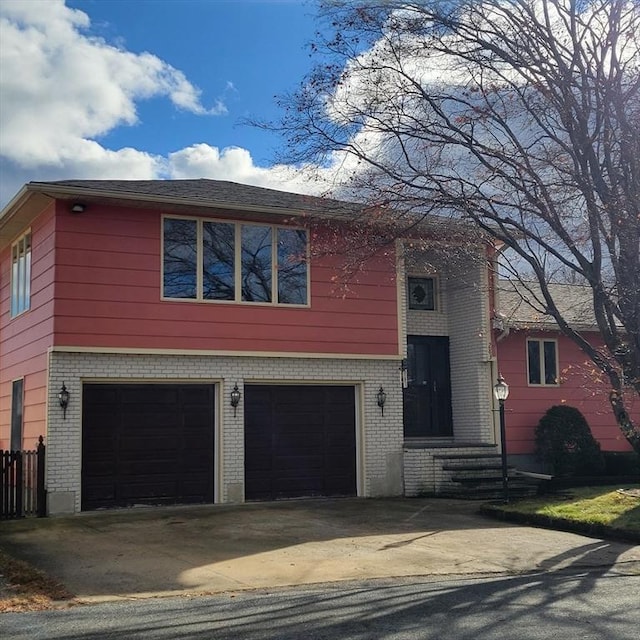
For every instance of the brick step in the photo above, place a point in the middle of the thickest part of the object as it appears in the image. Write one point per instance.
(466, 456)
(488, 491)
(488, 479)
(486, 475)
(473, 467)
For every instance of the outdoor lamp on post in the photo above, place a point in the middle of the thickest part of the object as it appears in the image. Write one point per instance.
(501, 391)
(63, 399)
(381, 398)
(235, 398)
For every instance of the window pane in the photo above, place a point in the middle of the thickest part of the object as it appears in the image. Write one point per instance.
(17, 394)
(533, 348)
(27, 272)
(21, 275)
(14, 287)
(256, 263)
(292, 266)
(550, 373)
(422, 294)
(180, 258)
(218, 282)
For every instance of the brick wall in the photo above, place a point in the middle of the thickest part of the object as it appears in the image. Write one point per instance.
(379, 437)
(463, 316)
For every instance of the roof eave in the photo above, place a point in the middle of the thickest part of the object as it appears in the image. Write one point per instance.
(20, 212)
(66, 192)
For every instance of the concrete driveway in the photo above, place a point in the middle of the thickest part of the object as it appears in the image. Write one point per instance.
(195, 550)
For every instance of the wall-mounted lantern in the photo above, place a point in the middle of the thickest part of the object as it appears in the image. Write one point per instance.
(63, 399)
(381, 398)
(235, 398)
(404, 373)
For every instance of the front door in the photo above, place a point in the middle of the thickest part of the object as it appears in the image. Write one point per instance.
(427, 398)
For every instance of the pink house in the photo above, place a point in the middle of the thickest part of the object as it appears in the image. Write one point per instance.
(544, 368)
(210, 354)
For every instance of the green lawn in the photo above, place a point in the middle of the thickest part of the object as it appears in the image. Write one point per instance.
(590, 509)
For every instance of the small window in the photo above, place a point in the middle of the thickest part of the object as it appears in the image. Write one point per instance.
(422, 294)
(21, 275)
(17, 412)
(219, 255)
(542, 362)
(292, 266)
(257, 260)
(180, 259)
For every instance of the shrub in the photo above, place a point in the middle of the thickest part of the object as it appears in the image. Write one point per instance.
(564, 443)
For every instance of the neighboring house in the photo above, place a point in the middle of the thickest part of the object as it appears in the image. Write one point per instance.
(211, 355)
(545, 368)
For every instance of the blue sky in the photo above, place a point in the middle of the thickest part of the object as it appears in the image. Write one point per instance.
(146, 88)
(241, 52)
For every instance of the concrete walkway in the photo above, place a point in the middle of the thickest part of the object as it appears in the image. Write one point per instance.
(192, 550)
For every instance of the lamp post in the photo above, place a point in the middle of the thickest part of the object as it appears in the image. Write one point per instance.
(501, 391)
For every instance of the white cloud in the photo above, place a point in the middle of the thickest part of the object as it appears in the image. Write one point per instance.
(62, 88)
(236, 164)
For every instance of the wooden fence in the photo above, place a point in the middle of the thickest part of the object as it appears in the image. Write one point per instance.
(22, 491)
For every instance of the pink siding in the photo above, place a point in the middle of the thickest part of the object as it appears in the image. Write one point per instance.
(24, 340)
(581, 387)
(108, 289)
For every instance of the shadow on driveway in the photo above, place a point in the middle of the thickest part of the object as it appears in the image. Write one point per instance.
(210, 549)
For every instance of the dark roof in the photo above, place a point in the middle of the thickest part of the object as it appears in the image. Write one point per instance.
(203, 192)
(189, 196)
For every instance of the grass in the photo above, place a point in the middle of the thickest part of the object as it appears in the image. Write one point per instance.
(601, 511)
(24, 588)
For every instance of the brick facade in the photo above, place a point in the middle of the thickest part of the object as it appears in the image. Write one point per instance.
(379, 437)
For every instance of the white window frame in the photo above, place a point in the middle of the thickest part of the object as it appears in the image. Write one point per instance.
(540, 342)
(21, 274)
(237, 262)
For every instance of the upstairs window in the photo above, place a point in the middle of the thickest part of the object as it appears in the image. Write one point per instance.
(224, 261)
(542, 362)
(21, 275)
(422, 294)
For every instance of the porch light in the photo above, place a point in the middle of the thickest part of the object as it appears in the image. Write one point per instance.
(78, 207)
(501, 391)
(235, 398)
(381, 398)
(63, 399)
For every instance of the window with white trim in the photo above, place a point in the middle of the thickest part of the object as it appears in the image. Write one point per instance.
(208, 260)
(21, 274)
(542, 362)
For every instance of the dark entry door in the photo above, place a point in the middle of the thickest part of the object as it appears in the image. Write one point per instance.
(300, 441)
(147, 444)
(427, 398)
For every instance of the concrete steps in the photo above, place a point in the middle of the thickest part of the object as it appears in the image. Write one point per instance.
(479, 477)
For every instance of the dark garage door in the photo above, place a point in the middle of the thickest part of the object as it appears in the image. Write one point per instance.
(147, 444)
(299, 441)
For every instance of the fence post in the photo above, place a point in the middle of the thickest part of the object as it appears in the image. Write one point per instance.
(5, 482)
(41, 492)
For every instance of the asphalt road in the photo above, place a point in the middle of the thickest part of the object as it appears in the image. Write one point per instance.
(589, 604)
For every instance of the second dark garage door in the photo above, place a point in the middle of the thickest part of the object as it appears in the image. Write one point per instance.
(299, 441)
(147, 444)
